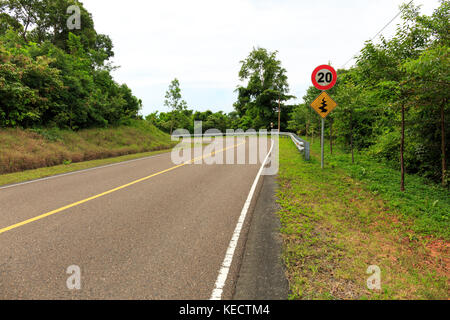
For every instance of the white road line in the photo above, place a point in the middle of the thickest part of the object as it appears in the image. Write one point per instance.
(226, 264)
(81, 171)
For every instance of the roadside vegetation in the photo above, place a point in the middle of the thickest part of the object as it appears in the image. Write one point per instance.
(263, 89)
(28, 175)
(25, 149)
(383, 197)
(339, 221)
(59, 103)
(394, 102)
(51, 76)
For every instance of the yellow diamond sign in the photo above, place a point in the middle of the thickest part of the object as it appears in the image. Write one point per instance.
(323, 104)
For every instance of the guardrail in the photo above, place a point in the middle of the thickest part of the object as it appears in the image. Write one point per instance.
(302, 145)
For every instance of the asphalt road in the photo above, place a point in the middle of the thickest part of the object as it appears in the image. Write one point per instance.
(164, 237)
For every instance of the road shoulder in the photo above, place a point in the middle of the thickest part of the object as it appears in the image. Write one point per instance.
(262, 274)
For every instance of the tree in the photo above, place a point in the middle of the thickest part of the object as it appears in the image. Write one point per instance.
(352, 119)
(266, 88)
(24, 12)
(7, 22)
(430, 77)
(42, 85)
(174, 101)
(382, 66)
(46, 20)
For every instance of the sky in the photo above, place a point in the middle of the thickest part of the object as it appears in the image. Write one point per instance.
(201, 42)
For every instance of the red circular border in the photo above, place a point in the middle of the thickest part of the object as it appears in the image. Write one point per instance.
(318, 86)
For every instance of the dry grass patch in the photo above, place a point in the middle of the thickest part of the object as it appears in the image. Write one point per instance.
(31, 149)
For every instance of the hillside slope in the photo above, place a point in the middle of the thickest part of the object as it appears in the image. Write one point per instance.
(36, 148)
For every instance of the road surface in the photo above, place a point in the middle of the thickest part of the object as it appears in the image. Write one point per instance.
(144, 229)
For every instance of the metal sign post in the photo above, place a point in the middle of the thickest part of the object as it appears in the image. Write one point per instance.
(322, 143)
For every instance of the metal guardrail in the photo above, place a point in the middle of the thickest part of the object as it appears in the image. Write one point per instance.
(302, 145)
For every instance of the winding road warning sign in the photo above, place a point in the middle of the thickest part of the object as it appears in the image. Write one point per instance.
(324, 77)
(323, 105)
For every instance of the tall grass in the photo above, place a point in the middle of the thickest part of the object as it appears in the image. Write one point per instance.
(37, 148)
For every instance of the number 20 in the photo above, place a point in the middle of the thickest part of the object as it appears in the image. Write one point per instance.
(328, 77)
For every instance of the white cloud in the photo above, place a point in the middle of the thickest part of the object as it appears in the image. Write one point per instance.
(202, 41)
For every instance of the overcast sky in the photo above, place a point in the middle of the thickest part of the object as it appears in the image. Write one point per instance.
(201, 42)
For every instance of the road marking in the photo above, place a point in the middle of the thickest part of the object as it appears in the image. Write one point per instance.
(226, 264)
(81, 171)
(42, 216)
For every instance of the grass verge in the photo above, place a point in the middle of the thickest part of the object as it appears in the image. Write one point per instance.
(339, 221)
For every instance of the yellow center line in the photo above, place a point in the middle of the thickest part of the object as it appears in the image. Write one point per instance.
(42, 216)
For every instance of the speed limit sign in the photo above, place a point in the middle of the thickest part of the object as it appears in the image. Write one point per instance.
(324, 77)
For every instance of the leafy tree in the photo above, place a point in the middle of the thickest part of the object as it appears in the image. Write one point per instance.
(42, 85)
(430, 77)
(382, 68)
(266, 88)
(217, 121)
(7, 22)
(46, 20)
(174, 101)
(23, 12)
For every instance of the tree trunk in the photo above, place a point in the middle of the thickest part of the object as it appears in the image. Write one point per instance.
(25, 29)
(444, 157)
(279, 115)
(402, 149)
(351, 136)
(307, 128)
(331, 135)
(71, 115)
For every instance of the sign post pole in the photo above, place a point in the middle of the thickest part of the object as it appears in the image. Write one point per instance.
(322, 143)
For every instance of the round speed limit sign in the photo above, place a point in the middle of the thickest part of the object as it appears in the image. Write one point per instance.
(324, 77)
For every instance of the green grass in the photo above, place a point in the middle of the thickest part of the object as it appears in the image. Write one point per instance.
(427, 203)
(338, 221)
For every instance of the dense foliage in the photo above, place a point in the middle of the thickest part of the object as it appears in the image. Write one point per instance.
(394, 101)
(265, 88)
(184, 119)
(53, 76)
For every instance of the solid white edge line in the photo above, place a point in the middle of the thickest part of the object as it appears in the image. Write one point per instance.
(226, 264)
